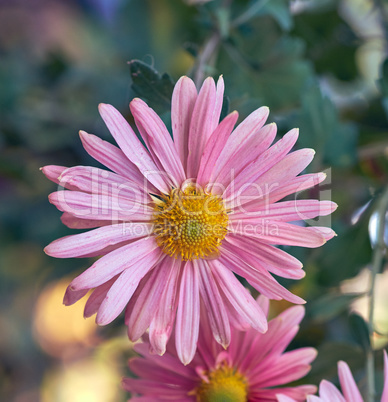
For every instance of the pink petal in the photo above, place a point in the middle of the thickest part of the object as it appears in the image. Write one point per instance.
(97, 297)
(250, 153)
(132, 147)
(214, 147)
(149, 369)
(162, 323)
(292, 316)
(182, 105)
(124, 287)
(326, 232)
(286, 368)
(384, 396)
(263, 302)
(329, 393)
(72, 296)
(147, 302)
(187, 318)
(290, 210)
(246, 130)
(97, 239)
(285, 170)
(276, 193)
(52, 172)
(348, 385)
(269, 257)
(98, 181)
(238, 296)
(205, 117)
(207, 349)
(284, 398)
(258, 170)
(111, 157)
(169, 362)
(154, 389)
(298, 393)
(73, 222)
(100, 206)
(237, 321)
(160, 141)
(260, 279)
(214, 304)
(115, 262)
(277, 232)
(105, 250)
(281, 331)
(313, 398)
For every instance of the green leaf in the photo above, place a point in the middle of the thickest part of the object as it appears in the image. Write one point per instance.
(272, 69)
(331, 305)
(360, 331)
(346, 254)
(280, 11)
(383, 82)
(277, 9)
(325, 365)
(331, 42)
(154, 88)
(321, 129)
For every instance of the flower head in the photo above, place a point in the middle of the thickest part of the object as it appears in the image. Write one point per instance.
(254, 368)
(350, 393)
(174, 220)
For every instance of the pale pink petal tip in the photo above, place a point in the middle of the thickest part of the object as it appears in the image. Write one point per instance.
(321, 176)
(71, 296)
(53, 172)
(159, 344)
(83, 134)
(284, 398)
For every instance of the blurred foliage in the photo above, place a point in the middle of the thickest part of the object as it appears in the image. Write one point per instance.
(155, 89)
(314, 64)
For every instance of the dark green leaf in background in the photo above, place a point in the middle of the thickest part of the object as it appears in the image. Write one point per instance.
(321, 129)
(331, 43)
(154, 88)
(359, 330)
(331, 305)
(383, 82)
(280, 11)
(345, 255)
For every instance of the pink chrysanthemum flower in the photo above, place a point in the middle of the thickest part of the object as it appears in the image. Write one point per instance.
(254, 368)
(350, 393)
(174, 220)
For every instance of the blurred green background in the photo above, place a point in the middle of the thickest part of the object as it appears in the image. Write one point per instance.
(319, 65)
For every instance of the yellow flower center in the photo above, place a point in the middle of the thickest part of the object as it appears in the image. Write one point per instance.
(224, 384)
(190, 223)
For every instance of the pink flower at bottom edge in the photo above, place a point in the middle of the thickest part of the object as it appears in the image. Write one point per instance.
(328, 392)
(255, 367)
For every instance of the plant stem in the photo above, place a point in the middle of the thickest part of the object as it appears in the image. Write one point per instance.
(378, 255)
(382, 11)
(208, 52)
(250, 13)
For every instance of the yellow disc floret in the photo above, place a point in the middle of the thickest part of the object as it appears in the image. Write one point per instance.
(224, 384)
(190, 223)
